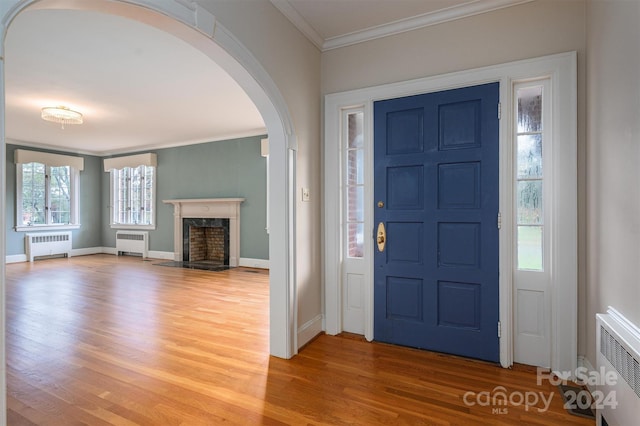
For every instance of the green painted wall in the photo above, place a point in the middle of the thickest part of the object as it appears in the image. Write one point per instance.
(225, 169)
(90, 202)
(232, 168)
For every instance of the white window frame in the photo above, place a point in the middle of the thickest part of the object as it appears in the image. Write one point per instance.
(561, 69)
(75, 164)
(113, 184)
(536, 349)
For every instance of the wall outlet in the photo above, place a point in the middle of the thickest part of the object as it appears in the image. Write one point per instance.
(305, 194)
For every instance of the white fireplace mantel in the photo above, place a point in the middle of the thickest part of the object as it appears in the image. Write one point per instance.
(208, 208)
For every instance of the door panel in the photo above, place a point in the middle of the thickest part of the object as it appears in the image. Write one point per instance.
(436, 173)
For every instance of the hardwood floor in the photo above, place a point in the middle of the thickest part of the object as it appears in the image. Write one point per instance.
(100, 340)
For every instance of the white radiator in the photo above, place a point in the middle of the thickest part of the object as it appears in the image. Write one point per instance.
(618, 364)
(47, 244)
(132, 242)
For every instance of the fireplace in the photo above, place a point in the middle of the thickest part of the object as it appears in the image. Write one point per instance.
(207, 213)
(205, 240)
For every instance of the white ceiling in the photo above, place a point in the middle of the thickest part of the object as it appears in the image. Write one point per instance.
(141, 88)
(137, 87)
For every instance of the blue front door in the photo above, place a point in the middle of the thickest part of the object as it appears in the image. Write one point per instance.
(436, 194)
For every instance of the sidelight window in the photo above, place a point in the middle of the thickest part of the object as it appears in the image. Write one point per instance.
(530, 175)
(354, 183)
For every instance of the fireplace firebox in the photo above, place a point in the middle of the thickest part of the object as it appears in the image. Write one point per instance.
(205, 240)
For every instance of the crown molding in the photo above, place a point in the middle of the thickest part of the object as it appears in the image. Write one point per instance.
(138, 148)
(471, 8)
(296, 19)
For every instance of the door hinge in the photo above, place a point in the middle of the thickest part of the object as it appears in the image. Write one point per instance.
(499, 220)
(499, 330)
(499, 110)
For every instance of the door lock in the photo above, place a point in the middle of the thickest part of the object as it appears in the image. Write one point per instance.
(381, 237)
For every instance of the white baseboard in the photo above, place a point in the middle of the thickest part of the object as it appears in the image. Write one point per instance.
(16, 258)
(583, 362)
(153, 254)
(86, 251)
(254, 263)
(165, 255)
(309, 330)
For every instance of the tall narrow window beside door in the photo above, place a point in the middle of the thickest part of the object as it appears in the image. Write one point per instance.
(354, 183)
(529, 175)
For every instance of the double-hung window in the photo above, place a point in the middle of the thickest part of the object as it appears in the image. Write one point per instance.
(133, 183)
(47, 188)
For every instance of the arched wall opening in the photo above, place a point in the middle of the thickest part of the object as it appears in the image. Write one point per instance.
(199, 28)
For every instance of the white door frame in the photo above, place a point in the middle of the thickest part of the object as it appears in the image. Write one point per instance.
(196, 26)
(562, 70)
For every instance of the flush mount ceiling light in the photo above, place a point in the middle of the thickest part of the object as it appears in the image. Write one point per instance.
(61, 115)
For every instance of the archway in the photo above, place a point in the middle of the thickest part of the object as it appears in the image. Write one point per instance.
(198, 27)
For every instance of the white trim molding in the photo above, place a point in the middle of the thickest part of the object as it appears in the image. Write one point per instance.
(86, 251)
(470, 8)
(149, 159)
(562, 70)
(165, 255)
(300, 23)
(309, 330)
(624, 322)
(254, 263)
(210, 208)
(16, 258)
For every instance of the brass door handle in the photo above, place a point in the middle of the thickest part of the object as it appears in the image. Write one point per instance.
(381, 237)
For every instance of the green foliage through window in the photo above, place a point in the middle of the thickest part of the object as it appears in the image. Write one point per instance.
(46, 195)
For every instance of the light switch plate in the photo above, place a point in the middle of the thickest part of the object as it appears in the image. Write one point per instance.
(305, 194)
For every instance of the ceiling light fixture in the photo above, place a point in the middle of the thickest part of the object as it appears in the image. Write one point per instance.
(61, 115)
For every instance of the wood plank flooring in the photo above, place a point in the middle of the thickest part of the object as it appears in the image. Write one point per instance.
(101, 340)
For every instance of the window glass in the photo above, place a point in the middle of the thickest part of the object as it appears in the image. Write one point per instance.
(60, 195)
(45, 195)
(530, 109)
(33, 194)
(530, 247)
(354, 184)
(133, 193)
(529, 176)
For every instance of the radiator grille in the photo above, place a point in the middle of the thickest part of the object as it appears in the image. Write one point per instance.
(622, 360)
(132, 242)
(134, 237)
(36, 239)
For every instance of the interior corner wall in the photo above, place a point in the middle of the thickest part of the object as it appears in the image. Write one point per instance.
(88, 236)
(293, 63)
(529, 30)
(613, 144)
(223, 169)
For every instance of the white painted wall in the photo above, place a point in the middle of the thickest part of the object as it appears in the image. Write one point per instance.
(613, 152)
(293, 63)
(534, 29)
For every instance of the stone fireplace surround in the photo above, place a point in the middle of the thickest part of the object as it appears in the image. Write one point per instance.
(207, 208)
